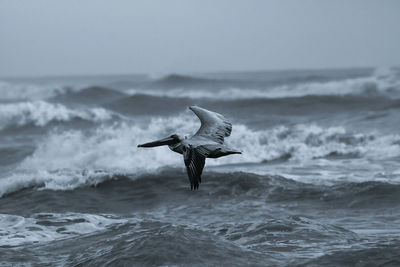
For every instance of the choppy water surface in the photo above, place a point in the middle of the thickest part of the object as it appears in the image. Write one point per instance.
(318, 182)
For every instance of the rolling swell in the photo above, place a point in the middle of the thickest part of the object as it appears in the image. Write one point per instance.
(166, 244)
(141, 104)
(158, 220)
(176, 80)
(123, 194)
(254, 80)
(259, 85)
(302, 96)
(144, 242)
(187, 82)
(94, 95)
(313, 103)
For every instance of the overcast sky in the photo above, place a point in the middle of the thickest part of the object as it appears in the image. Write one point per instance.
(109, 37)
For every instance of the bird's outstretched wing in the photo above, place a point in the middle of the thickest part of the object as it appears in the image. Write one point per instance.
(214, 126)
(194, 161)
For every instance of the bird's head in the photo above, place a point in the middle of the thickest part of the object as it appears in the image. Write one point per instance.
(171, 140)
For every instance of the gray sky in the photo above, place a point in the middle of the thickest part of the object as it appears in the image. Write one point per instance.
(108, 37)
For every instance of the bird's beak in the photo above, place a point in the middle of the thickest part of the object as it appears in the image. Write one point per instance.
(162, 142)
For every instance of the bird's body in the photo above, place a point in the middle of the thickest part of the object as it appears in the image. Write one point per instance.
(207, 142)
(212, 149)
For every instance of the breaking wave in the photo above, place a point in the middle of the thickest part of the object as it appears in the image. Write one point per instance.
(69, 159)
(40, 113)
(115, 147)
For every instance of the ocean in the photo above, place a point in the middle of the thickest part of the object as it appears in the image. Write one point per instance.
(317, 183)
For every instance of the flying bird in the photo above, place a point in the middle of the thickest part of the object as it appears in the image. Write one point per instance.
(207, 142)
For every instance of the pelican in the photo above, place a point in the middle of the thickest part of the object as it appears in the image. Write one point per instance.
(207, 142)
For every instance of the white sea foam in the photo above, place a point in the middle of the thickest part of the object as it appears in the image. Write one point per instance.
(65, 160)
(44, 227)
(41, 113)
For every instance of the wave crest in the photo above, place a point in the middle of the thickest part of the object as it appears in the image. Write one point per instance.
(69, 159)
(115, 147)
(40, 113)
